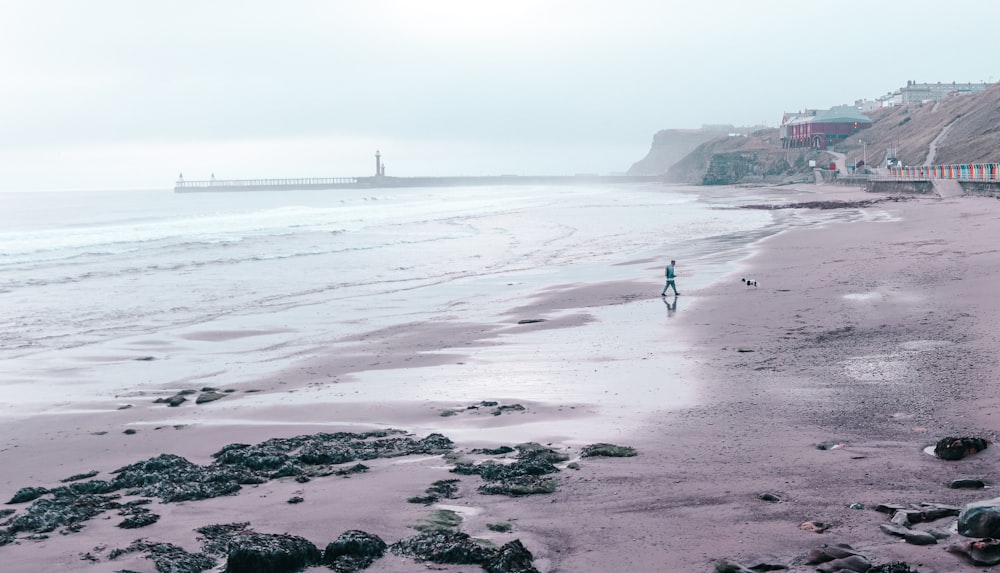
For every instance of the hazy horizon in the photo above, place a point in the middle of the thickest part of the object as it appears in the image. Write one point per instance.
(123, 94)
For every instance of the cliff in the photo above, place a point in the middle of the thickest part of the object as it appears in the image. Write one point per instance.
(671, 145)
(757, 158)
(961, 129)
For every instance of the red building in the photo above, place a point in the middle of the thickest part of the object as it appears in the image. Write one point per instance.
(821, 128)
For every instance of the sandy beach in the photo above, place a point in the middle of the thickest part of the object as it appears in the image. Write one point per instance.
(876, 336)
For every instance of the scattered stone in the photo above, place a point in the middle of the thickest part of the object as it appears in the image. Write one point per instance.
(508, 408)
(957, 448)
(448, 413)
(764, 563)
(493, 451)
(125, 407)
(499, 527)
(130, 431)
(173, 401)
(890, 508)
(858, 563)
(744, 350)
(830, 552)
(771, 497)
(146, 358)
(923, 512)
(856, 506)
(208, 396)
(607, 450)
(893, 567)
(980, 519)
(530, 320)
(573, 466)
(815, 526)
(353, 551)
(939, 533)
(295, 499)
(894, 529)
(831, 445)
(730, 566)
(273, 553)
(917, 537)
(979, 552)
(440, 520)
(967, 484)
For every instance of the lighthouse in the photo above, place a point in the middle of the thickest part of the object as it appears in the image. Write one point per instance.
(378, 163)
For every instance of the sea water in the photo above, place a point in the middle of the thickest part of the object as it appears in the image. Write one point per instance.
(92, 281)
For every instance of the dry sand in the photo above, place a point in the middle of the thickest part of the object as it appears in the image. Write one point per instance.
(878, 335)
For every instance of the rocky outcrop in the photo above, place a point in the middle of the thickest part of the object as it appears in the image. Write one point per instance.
(270, 553)
(455, 547)
(353, 551)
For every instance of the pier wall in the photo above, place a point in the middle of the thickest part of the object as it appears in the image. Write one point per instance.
(382, 182)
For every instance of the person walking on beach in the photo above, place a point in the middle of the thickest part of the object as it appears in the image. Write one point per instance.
(670, 280)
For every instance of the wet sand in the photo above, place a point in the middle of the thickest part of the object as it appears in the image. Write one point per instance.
(877, 335)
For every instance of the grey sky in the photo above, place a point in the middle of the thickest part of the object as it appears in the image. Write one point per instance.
(127, 93)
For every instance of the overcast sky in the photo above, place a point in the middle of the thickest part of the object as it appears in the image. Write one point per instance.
(129, 93)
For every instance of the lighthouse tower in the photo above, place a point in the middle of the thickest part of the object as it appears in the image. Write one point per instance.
(378, 163)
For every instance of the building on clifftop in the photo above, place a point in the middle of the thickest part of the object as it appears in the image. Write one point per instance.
(914, 92)
(821, 128)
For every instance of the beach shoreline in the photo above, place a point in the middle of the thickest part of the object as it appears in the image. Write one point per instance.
(847, 339)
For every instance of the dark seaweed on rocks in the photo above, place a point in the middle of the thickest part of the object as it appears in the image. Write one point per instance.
(167, 557)
(607, 450)
(215, 538)
(270, 553)
(26, 494)
(353, 551)
(444, 546)
(455, 547)
(79, 477)
(445, 488)
(521, 477)
(47, 514)
(171, 478)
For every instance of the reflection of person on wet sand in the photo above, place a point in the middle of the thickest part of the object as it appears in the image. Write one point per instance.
(671, 308)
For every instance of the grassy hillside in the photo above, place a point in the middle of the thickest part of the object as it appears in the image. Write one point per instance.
(974, 135)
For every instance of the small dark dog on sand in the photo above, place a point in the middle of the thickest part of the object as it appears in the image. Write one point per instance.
(750, 283)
